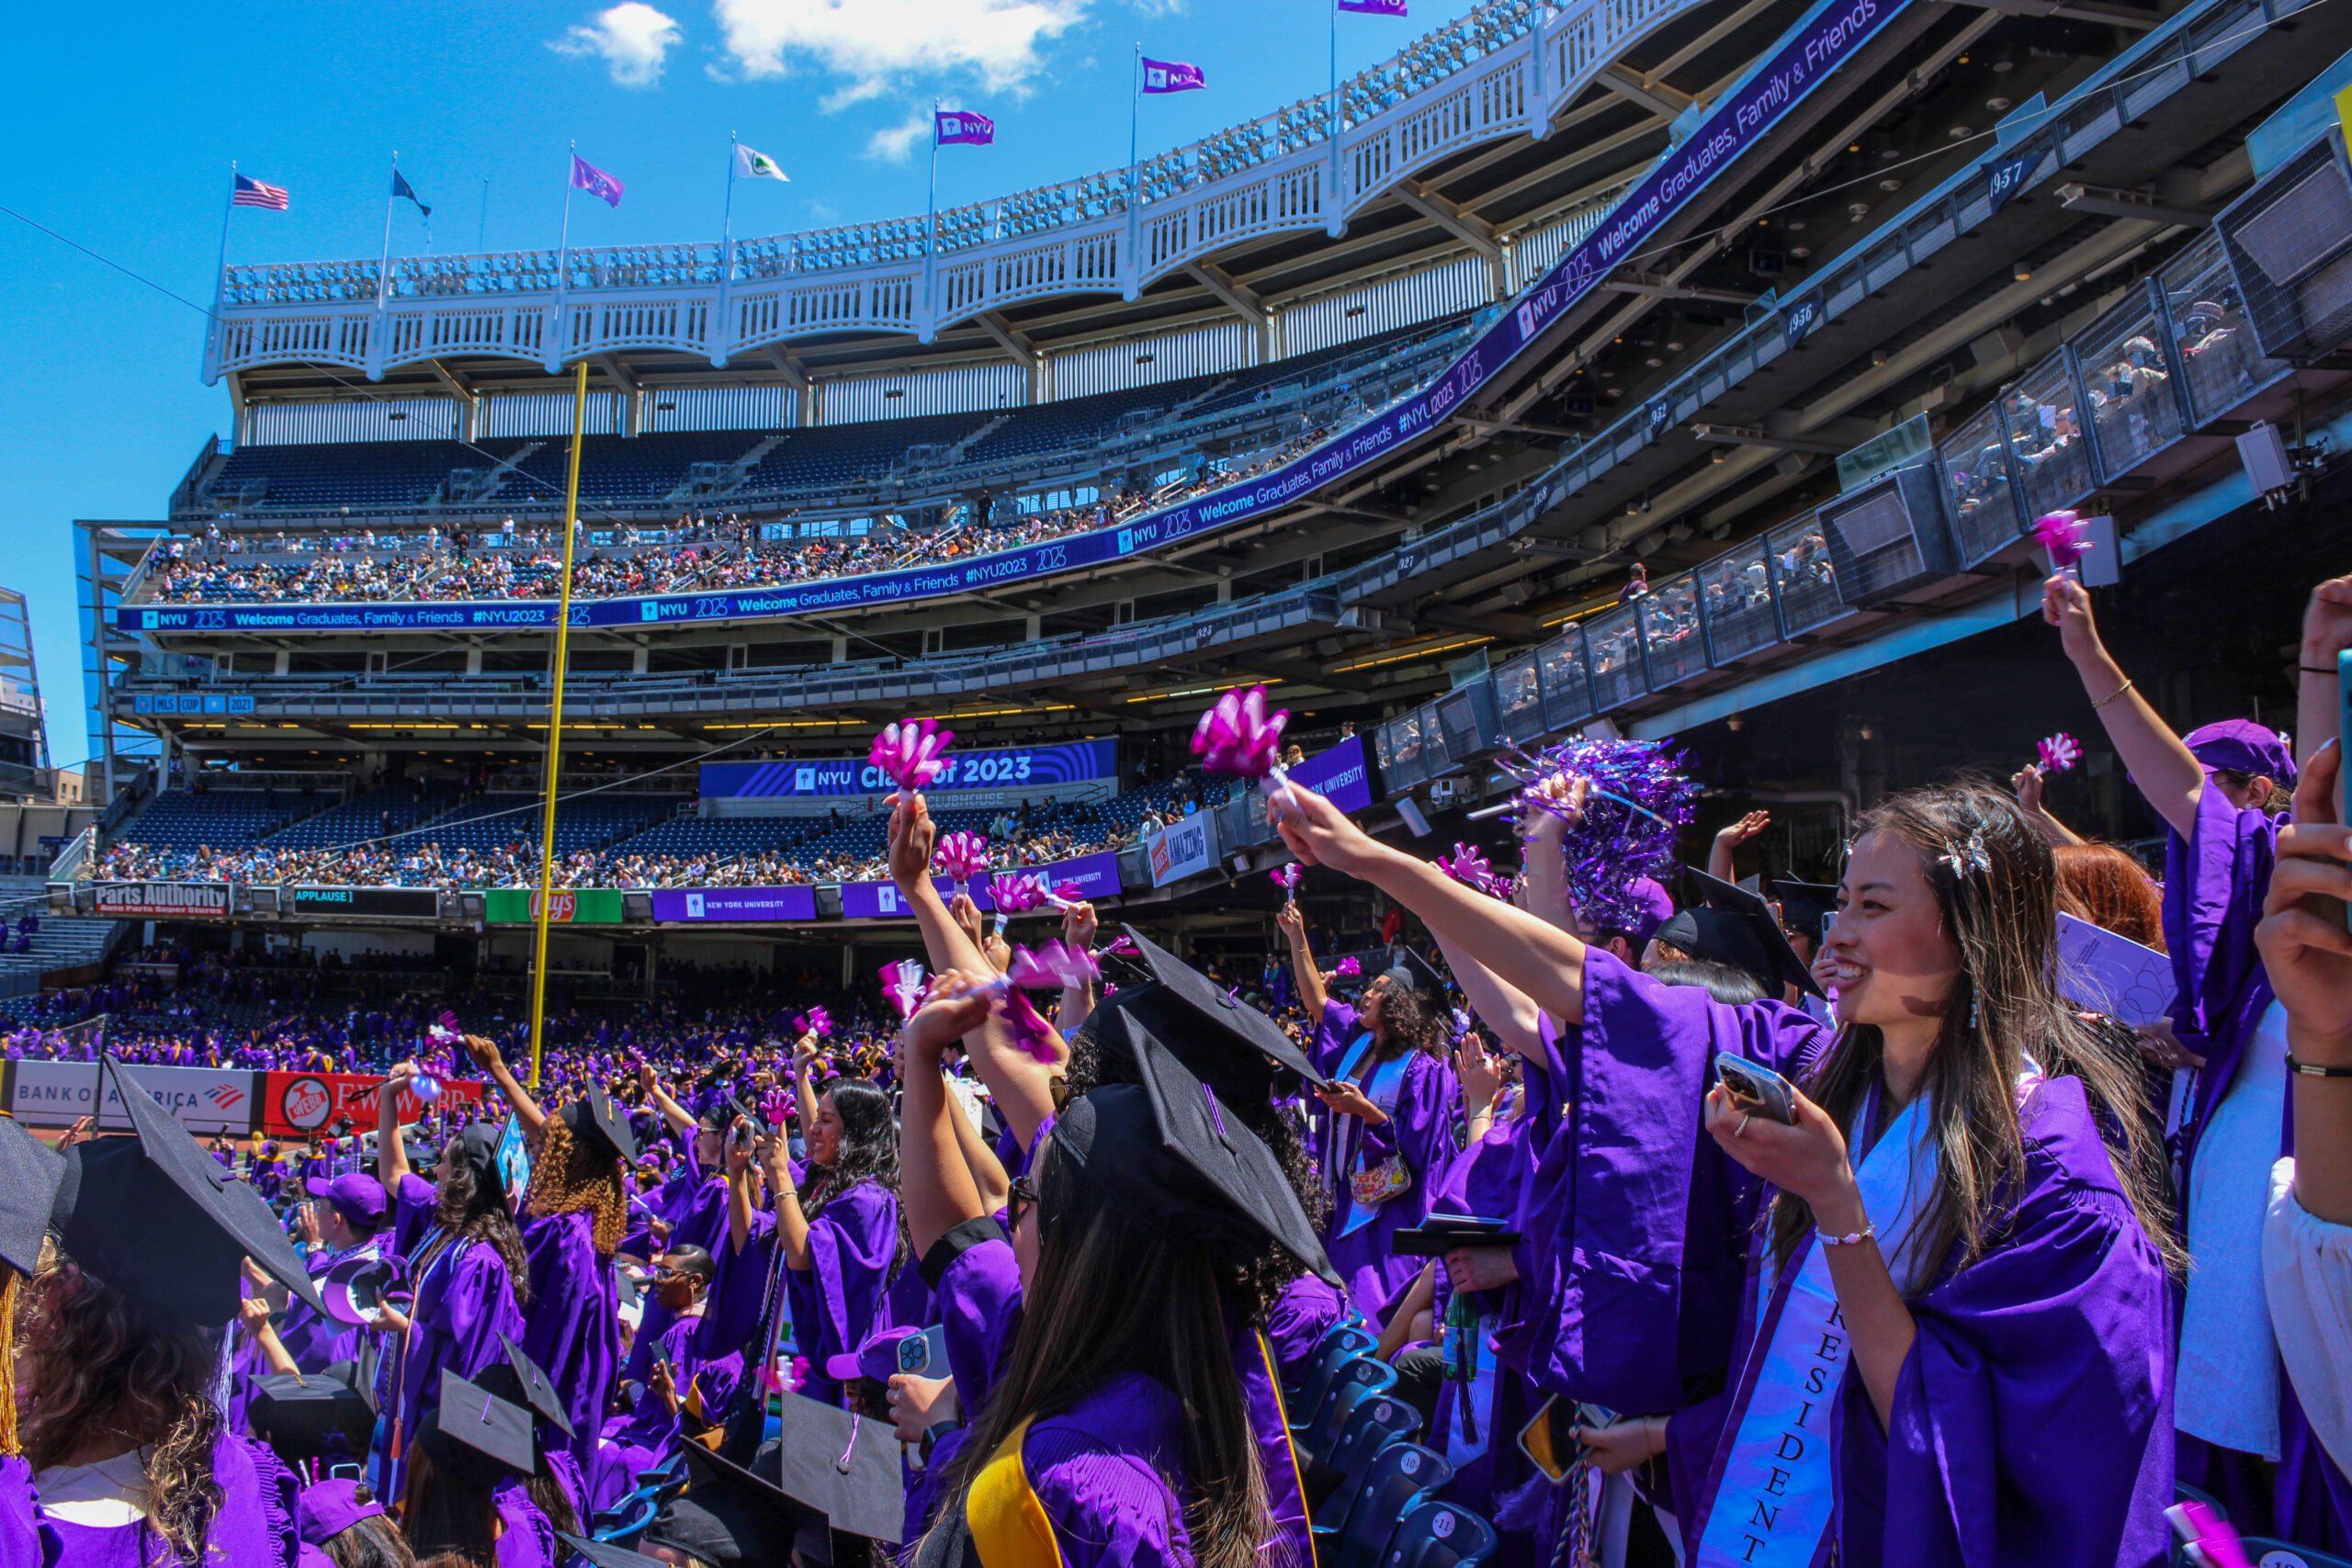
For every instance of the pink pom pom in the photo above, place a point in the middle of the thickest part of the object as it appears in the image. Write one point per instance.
(1052, 966)
(816, 1021)
(1029, 1029)
(1347, 968)
(961, 856)
(1237, 736)
(776, 1105)
(1017, 895)
(1286, 876)
(1472, 870)
(903, 983)
(2063, 537)
(2060, 752)
(908, 752)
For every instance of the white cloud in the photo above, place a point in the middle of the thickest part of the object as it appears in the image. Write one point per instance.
(879, 44)
(632, 39)
(893, 145)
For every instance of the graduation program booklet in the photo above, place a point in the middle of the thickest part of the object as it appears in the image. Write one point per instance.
(2112, 974)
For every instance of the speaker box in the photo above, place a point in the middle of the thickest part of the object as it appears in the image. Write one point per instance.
(1888, 537)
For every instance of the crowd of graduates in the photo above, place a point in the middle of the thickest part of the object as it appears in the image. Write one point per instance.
(1582, 1222)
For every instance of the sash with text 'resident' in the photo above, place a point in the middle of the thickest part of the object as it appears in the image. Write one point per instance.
(1771, 1503)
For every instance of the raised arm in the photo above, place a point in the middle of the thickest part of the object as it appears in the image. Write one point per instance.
(1499, 1005)
(935, 1185)
(2307, 953)
(791, 1220)
(739, 1178)
(1721, 865)
(391, 1155)
(1539, 959)
(526, 1110)
(2167, 775)
(804, 1076)
(2027, 781)
(1079, 929)
(681, 1120)
(1311, 994)
(2327, 632)
(913, 834)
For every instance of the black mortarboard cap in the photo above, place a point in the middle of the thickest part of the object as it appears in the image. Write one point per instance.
(1223, 1041)
(478, 1437)
(1167, 1148)
(533, 1386)
(308, 1415)
(599, 1121)
(604, 1555)
(1416, 974)
(1737, 927)
(158, 1219)
(30, 1172)
(866, 1495)
(1805, 904)
(728, 1514)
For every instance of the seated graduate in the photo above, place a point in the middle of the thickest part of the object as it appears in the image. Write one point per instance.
(1109, 1427)
(120, 1355)
(1963, 1355)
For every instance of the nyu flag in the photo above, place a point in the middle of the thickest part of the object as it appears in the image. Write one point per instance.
(401, 187)
(1374, 7)
(1170, 76)
(955, 126)
(587, 176)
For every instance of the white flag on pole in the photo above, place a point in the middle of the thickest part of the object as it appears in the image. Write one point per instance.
(749, 164)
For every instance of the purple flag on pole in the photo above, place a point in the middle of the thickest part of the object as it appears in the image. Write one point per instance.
(1374, 7)
(963, 128)
(1170, 76)
(587, 176)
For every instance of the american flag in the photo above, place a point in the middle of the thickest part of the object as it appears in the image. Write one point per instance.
(254, 193)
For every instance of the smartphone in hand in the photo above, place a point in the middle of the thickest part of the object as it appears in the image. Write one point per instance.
(1756, 1089)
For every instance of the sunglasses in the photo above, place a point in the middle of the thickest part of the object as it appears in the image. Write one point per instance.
(1019, 1199)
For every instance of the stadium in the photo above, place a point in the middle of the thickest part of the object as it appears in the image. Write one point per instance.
(1694, 371)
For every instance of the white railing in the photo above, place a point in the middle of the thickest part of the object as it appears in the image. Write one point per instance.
(1503, 70)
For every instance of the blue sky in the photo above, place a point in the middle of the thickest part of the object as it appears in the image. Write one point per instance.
(121, 125)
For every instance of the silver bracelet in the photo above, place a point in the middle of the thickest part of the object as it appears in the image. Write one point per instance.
(1854, 1238)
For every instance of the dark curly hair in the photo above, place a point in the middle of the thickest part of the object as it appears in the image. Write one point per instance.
(1410, 1021)
(470, 1209)
(1263, 1278)
(100, 1364)
(569, 1176)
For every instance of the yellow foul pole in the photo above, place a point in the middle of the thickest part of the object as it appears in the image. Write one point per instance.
(555, 730)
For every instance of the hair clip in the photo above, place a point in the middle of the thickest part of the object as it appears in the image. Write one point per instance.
(1968, 857)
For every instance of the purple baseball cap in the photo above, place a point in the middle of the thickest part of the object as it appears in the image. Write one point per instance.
(2242, 746)
(877, 1358)
(357, 1198)
(1656, 906)
(324, 1511)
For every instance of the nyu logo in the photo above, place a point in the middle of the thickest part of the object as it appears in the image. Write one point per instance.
(804, 781)
(648, 610)
(694, 905)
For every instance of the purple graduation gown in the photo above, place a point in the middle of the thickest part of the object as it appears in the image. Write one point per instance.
(1483, 1181)
(2032, 1419)
(852, 1284)
(695, 1208)
(253, 1528)
(2214, 885)
(24, 1543)
(464, 1303)
(572, 1326)
(1302, 1312)
(526, 1536)
(1421, 1129)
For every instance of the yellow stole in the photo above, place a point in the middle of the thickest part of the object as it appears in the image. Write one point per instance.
(1009, 1526)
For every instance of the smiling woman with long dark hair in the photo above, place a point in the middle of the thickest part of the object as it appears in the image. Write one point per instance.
(838, 1225)
(1963, 1298)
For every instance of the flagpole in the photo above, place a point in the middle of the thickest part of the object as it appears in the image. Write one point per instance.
(220, 270)
(563, 261)
(555, 723)
(482, 234)
(930, 220)
(384, 263)
(1334, 108)
(722, 334)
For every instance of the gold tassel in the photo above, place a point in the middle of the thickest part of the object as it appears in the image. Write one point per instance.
(8, 1448)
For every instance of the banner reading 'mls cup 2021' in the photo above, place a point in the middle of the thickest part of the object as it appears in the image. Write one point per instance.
(1823, 42)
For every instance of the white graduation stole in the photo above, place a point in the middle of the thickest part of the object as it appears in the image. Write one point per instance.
(1773, 1502)
(1387, 1080)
